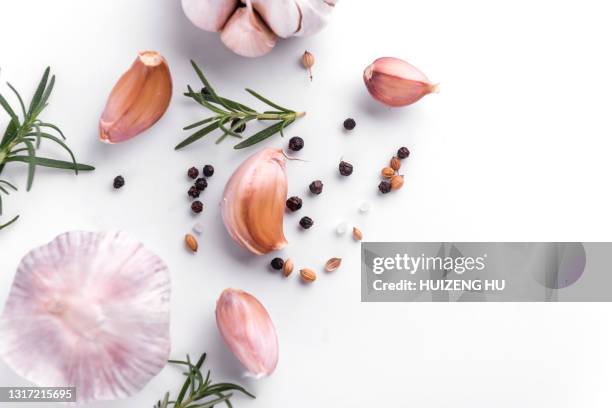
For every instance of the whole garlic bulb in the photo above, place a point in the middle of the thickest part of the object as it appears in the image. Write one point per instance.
(253, 203)
(252, 31)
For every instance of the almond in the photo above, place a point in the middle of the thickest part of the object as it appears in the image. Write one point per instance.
(333, 264)
(191, 243)
(308, 275)
(287, 268)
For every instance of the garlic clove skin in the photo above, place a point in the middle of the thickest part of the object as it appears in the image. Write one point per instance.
(248, 331)
(395, 82)
(282, 16)
(253, 204)
(138, 99)
(246, 34)
(315, 15)
(209, 15)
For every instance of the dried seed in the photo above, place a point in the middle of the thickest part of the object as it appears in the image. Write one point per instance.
(397, 182)
(191, 242)
(395, 163)
(387, 172)
(308, 275)
(288, 267)
(357, 234)
(333, 264)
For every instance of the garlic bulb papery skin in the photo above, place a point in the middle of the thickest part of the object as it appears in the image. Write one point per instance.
(90, 310)
(253, 204)
(209, 15)
(138, 99)
(246, 34)
(252, 31)
(395, 82)
(248, 331)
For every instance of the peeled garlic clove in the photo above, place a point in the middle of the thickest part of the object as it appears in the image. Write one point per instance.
(88, 310)
(248, 331)
(246, 34)
(395, 82)
(315, 15)
(209, 15)
(253, 203)
(138, 99)
(282, 16)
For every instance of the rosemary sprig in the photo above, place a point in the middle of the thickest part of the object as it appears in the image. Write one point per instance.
(235, 114)
(199, 391)
(22, 138)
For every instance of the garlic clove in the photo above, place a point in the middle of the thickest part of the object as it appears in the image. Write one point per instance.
(253, 204)
(138, 99)
(395, 82)
(282, 16)
(248, 331)
(246, 34)
(209, 15)
(315, 15)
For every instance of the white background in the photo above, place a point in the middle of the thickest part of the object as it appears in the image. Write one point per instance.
(515, 147)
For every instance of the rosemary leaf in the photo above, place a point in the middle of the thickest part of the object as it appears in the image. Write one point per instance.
(39, 92)
(9, 223)
(261, 135)
(9, 110)
(61, 143)
(267, 101)
(197, 135)
(23, 108)
(31, 163)
(52, 126)
(46, 162)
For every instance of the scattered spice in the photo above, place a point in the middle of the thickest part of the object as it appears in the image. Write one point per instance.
(296, 143)
(277, 263)
(238, 128)
(287, 267)
(193, 192)
(387, 172)
(346, 169)
(308, 61)
(201, 184)
(364, 207)
(204, 91)
(384, 187)
(193, 173)
(208, 170)
(306, 222)
(197, 207)
(294, 203)
(403, 152)
(349, 124)
(341, 228)
(357, 234)
(397, 182)
(198, 228)
(333, 264)
(395, 163)
(191, 243)
(308, 275)
(118, 182)
(316, 187)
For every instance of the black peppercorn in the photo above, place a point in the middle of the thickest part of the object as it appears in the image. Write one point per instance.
(201, 184)
(118, 182)
(306, 222)
(296, 143)
(346, 169)
(403, 152)
(294, 203)
(316, 187)
(197, 206)
(384, 187)
(193, 192)
(193, 173)
(349, 124)
(208, 170)
(205, 91)
(277, 264)
(240, 128)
